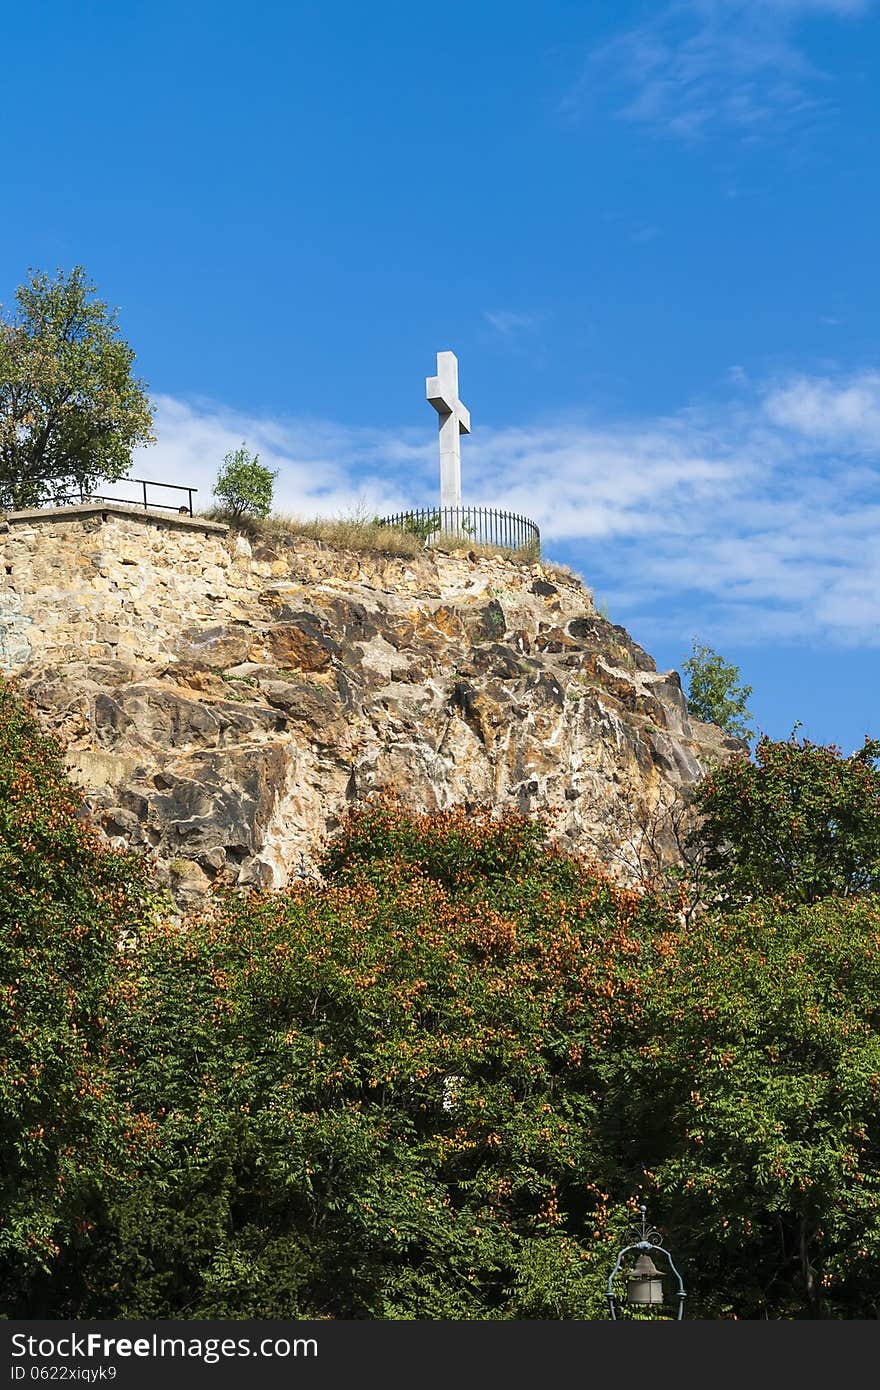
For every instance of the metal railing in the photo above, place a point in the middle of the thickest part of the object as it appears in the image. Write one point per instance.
(70, 499)
(481, 525)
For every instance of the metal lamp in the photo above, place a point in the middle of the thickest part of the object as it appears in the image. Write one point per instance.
(304, 874)
(644, 1281)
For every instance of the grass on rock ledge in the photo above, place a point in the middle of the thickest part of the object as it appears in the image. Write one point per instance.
(362, 534)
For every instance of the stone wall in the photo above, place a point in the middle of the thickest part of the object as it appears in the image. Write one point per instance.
(109, 583)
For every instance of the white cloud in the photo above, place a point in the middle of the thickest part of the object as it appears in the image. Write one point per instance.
(847, 415)
(323, 468)
(757, 520)
(701, 66)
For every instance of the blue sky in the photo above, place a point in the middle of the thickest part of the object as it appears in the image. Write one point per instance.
(649, 231)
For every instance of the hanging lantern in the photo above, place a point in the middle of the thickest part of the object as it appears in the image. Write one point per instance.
(644, 1283)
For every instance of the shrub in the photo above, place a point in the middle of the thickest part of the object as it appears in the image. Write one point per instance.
(714, 694)
(432, 1087)
(67, 907)
(244, 485)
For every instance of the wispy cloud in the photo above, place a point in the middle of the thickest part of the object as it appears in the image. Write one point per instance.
(841, 414)
(755, 520)
(507, 322)
(698, 67)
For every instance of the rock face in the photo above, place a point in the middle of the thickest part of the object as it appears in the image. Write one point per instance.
(222, 702)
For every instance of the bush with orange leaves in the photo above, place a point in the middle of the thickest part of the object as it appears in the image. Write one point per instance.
(66, 902)
(430, 1088)
(379, 1098)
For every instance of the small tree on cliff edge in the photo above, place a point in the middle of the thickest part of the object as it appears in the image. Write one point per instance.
(70, 410)
(714, 694)
(244, 485)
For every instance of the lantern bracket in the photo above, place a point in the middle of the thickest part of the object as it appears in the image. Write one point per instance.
(647, 1239)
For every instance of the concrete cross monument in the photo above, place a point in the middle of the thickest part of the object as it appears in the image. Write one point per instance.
(455, 420)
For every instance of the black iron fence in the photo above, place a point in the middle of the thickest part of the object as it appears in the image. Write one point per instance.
(481, 525)
(145, 499)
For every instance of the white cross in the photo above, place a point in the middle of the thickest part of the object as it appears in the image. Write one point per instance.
(455, 420)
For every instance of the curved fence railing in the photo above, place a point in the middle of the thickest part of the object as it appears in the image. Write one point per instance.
(481, 525)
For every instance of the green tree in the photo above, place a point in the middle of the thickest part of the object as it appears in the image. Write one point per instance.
(69, 911)
(367, 1099)
(430, 1087)
(244, 485)
(750, 1088)
(800, 821)
(714, 694)
(70, 410)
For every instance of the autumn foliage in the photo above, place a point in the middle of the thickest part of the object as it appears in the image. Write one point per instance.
(65, 904)
(431, 1087)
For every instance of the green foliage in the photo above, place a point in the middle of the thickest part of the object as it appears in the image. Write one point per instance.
(432, 1087)
(66, 906)
(800, 821)
(359, 1095)
(421, 527)
(425, 1091)
(457, 850)
(244, 486)
(70, 411)
(754, 1102)
(714, 694)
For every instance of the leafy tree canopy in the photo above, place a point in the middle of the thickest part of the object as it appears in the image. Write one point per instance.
(70, 410)
(429, 1092)
(67, 906)
(754, 1105)
(714, 693)
(800, 821)
(431, 1087)
(244, 486)
(367, 1112)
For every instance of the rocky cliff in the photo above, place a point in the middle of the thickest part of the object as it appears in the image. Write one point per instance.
(221, 701)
